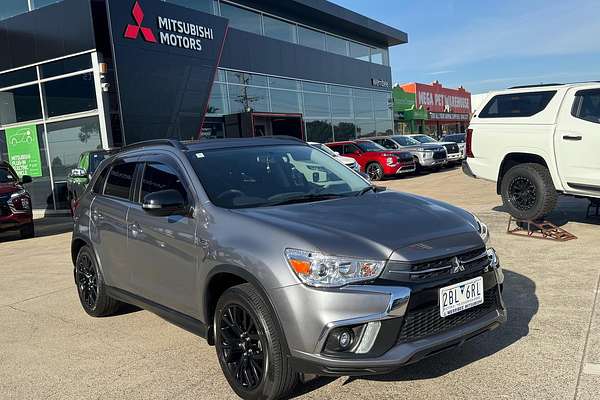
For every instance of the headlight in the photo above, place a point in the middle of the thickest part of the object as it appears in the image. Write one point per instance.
(482, 229)
(18, 194)
(318, 270)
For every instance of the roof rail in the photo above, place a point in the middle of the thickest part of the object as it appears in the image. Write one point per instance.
(534, 86)
(282, 137)
(156, 142)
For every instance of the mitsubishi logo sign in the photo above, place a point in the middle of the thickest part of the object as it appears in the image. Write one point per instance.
(133, 31)
(457, 266)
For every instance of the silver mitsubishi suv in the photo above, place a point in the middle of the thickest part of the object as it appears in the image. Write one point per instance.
(286, 261)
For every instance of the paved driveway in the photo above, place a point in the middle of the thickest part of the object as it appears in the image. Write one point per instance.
(549, 349)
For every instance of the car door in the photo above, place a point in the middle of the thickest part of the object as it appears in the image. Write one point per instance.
(577, 141)
(108, 226)
(163, 247)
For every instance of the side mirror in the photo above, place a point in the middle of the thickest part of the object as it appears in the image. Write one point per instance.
(164, 203)
(26, 179)
(79, 173)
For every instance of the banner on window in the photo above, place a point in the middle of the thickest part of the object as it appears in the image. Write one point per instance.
(24, 150)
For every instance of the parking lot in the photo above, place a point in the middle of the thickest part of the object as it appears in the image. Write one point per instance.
(549, 349)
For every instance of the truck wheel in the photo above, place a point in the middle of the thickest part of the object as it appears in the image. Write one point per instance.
(528, 192)
(250, 346)
(90, 286)
(375, 171)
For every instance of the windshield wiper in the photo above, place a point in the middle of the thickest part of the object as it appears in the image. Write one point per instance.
(375, 189)
(305, 199)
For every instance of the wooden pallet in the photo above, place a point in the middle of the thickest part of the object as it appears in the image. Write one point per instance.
(538, 230)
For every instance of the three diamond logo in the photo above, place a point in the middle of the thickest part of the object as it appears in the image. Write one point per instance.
(133, 31)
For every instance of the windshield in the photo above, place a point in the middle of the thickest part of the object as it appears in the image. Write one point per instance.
(425, 139)
(324, 148)
(367, 145)
(406, 141)
(454, 138)
(6, 176)
(272, 175)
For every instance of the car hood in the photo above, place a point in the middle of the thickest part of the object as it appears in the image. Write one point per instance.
(8, 188)
(427, 146)
(383, 225)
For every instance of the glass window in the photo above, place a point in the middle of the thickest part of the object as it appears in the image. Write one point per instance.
(344, 130)
(221, 76)
(314, 87)
(244, 98)
(243, 78)
(337, 45)
(517, 105)
(42, 3)
(384, 126)
(18, 105)
(242, 19)
(200, 5)
(587, 105)
(120, 180)
(311, 38)
(319, 131)
(377, 56)
(341, 90)
(363, 107)
(286, 101)
(281, 83)
(70, 95)
(382, 103)
(159, 177)
(341, 107)
(18, 77)
(10, 8)
(316, 105)
(278, 29)
(365, 128)
(359, 51)
(218, 104)
(67, 140)
(66, 66)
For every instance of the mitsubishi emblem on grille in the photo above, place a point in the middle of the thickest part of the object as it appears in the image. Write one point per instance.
(457, 266)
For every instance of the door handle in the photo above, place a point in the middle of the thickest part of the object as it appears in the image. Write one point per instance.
(574, 138)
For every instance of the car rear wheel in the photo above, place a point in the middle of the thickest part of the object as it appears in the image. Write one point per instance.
(250, 346)
(375, 171)
(528, 192)
(90, 286)
(28, 231)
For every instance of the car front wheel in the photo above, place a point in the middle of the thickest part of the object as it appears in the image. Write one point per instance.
(250, 346)
(375, 171)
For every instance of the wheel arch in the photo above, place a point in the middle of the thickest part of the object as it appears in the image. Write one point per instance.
(517, 157)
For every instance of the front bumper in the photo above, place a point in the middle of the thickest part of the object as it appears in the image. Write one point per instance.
(15, 222)
(308, 328)
(430, 162)
(399, 168)
(455, 157)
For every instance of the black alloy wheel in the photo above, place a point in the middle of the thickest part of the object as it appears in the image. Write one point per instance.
(86, 278)
(241, 347)
(522, 193)
(375, 171)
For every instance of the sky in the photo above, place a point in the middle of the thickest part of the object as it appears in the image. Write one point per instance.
(486, 45)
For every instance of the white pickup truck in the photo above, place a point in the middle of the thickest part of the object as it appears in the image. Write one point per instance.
(537, 142)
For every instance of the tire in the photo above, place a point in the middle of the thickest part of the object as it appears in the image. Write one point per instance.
(90, 286)
(375, 171)
(528, 192)
(260, 344)
(28, 232)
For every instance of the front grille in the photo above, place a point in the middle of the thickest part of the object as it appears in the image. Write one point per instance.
(440, 268)
(452, 148)
(426, 322)
(439, 155)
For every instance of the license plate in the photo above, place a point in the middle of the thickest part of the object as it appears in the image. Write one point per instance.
(461, 296)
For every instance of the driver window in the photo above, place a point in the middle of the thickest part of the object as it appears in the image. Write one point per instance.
(389, 144)
(350, 149)
(159, 177)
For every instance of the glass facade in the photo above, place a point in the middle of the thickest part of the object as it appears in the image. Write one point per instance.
(62, 105)
(331, 112)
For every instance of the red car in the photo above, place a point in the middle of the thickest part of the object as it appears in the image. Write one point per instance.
(375, 160)
(15, 203)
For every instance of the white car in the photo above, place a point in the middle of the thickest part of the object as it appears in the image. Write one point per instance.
(454, 153)
(347, 161)
(536, 142)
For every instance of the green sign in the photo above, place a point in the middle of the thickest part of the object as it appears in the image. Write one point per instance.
(24, 150)
(403, 100)
(416, 113)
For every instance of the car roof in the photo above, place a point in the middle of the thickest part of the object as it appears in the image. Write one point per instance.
(215, 144)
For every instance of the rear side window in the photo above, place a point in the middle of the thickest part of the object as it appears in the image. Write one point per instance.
(159, 177)
(338, 148)
(587, 105)
(120, 180)
(517, 105)
(99, 185)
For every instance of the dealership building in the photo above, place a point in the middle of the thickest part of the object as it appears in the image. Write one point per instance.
(78, 75)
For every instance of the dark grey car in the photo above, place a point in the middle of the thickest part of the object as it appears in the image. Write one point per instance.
(284, 259)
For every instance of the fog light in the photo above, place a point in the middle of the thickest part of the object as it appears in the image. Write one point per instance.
(342, 339)
(345, 340)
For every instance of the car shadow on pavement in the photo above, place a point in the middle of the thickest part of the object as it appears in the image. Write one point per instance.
(522, 305)
(48, 226)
